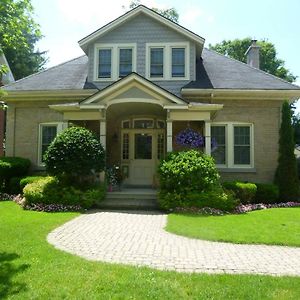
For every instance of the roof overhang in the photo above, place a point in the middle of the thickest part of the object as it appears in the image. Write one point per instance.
(242, 94)
(83, 43)
(54, 95)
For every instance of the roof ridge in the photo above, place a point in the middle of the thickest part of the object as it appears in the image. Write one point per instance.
(42, 71)
(258, 70)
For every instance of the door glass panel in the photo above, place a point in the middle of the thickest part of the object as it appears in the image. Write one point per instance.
(160, 146)
(125, 146)
(143, 146)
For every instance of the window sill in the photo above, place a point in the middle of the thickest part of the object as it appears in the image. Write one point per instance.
(236, 170)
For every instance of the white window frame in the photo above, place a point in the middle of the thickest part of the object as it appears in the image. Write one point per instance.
(168, 60)
(115, 59)
(60, 126)
(229, 144)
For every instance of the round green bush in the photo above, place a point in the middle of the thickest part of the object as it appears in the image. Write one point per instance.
(75, 153)
(185, 171)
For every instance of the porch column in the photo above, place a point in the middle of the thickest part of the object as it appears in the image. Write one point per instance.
(103, 129)
(169, 136)
(207, 138)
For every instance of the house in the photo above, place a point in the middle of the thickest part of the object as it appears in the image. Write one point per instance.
(142, 80)
(5, 78)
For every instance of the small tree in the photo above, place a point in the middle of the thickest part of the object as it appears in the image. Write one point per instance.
(74, 154)
(286, 176)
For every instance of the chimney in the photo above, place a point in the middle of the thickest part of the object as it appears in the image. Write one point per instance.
(252, 54)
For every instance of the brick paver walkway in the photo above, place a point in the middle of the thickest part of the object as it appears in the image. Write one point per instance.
(138, 238)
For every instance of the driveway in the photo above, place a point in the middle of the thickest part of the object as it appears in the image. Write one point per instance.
(139, 238)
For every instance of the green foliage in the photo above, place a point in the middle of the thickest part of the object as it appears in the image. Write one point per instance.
(268, 56)
(74, 153)
(185, 171)
(49, 190)
(286, 176)
(12, 167)
(28, 179)
(245, 192)
(19, 34)
(217, 198)
(169, 13)
(14, 185)
(266, 193)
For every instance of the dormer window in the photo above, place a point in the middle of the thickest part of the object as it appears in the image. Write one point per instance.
(125, 61)
(156, 62)
(114, 61)
(104, 68)
(168, 61)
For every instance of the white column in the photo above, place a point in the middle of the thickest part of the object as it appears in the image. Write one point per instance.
(103, 133)
(169, 136)
(103, 128)
(207, 138)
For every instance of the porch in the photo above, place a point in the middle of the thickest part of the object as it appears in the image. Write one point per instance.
(137, 122)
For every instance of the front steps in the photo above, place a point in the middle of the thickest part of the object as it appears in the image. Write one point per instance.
(131, 198)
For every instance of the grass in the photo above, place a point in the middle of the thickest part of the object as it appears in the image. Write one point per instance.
(30, 268)
(276, 226)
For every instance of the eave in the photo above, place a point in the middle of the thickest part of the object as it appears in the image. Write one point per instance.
(241, 94)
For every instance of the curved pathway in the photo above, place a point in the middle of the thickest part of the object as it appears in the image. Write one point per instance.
(138, 238)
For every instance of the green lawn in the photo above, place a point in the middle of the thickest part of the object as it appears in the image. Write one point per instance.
(30, 268)
(276, 226)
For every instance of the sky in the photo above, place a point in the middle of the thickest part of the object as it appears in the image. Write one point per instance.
(64, 22)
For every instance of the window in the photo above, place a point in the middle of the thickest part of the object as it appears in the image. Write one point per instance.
(168, 61)
(125, 62)
(156, 62)
(241, 145)
(235, 147)
(178, 62)
(47, 133)
(114, 61)
(104, 69)
(160, 124)
(143, 124)
(126, 124)
(219, 153)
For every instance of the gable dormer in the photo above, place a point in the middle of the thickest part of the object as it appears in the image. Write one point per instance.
(144, 42)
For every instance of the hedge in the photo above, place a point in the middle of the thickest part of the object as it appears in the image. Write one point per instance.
(12, 167)
(266, 193)
(49, 190)
(245, 192)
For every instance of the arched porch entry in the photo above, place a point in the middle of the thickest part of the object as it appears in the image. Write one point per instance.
(136, 140)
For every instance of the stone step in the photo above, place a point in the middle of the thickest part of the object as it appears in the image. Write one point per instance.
(131, 198)
(125, 203)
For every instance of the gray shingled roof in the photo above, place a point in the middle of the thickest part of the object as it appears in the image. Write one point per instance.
(216, 71)
(70, 75)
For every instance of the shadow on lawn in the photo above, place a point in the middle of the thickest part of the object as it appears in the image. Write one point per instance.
(8, 269)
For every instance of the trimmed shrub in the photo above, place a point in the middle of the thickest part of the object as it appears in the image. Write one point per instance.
(14, 185)
(245, 192)
(74, 154)
(49, 190)
(28, 179)
(217, 199)
(12, 167)
(266, 193)
(286, 176)
(186, 171)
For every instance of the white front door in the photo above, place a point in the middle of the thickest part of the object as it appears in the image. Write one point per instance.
(142, 149)
(142, 164)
